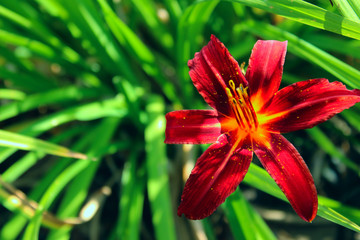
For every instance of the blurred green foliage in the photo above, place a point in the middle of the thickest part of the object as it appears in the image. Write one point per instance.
(98, 76)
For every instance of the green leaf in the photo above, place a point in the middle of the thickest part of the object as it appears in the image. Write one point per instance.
(308, 14)
(349, 9)
(194, 16)
(147, 10)
(190, 26)
(131, 43)
(36, 47)
(245, 222)
(324, 143)
(156, 166)
(208, 228)
(309, 52)
(12, 94)
(15, 225)
(33, 24)
(353, 117)
(32, 230)
(330, 43)
(131, 198)
(23, 164)
(95, 110)
(108, 108)
(335, 212)
(55, 96)
(76, 192)
(9, 139)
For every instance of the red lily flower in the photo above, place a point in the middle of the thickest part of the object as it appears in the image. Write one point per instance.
(249, 116)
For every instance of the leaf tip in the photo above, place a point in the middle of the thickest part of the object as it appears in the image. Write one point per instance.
(79, 156)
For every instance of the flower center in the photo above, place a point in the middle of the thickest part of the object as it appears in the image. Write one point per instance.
(241, 106)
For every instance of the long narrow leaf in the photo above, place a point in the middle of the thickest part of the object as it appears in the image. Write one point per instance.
(244, 221)
(191, 24)
(156, 165)
(12, 94)
(347, 10)
(323, 141)
(74, 196)
(14, 226)
(39, 29)
(300, 47)
(337, 213)
(130, 42)
(131, 199)
(56, 96)
(309, 14)
(9, 139)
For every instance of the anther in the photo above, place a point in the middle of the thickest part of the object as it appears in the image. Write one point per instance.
(232, 84)
(228, 92)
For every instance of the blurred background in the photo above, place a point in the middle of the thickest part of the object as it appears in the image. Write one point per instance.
(98, 77)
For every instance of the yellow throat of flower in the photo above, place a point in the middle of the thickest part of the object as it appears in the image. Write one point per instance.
(241, 106)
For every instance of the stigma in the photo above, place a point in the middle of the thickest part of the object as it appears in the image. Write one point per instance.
(241, 106)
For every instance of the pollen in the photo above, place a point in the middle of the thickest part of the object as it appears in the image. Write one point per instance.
(241, 106)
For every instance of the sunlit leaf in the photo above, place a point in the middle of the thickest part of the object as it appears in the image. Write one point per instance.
(9, 139)
(156, 166)
(244, 221)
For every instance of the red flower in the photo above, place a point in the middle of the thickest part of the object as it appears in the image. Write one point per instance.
(249, 116)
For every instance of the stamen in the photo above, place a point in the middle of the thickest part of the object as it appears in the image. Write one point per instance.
(232, 84)
(250, 113)
(236, 111)
(242, 107)
(242, 67)
(228, 92)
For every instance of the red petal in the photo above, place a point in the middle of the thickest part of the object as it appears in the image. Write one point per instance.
(217, 173)
(280, 158)
(306, 104)
(210, 70)
(265, 70)
(192, 126)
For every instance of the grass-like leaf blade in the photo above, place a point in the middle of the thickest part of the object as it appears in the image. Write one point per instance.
(14, 140)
